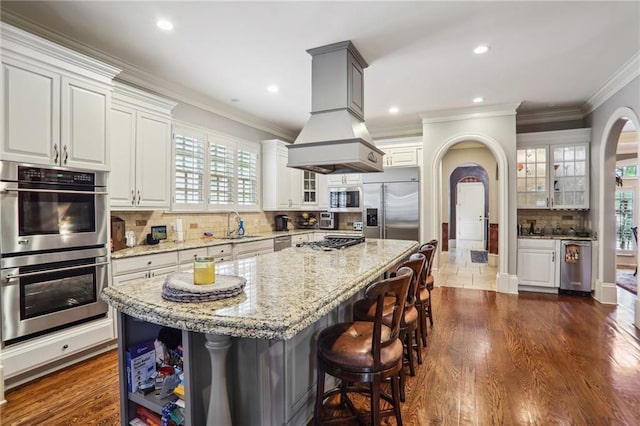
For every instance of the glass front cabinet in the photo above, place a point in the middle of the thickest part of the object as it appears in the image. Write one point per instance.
(552, 169)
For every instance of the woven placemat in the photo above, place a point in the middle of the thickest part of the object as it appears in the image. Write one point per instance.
(179, 287)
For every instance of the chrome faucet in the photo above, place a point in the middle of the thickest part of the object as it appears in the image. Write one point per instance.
(230, 231)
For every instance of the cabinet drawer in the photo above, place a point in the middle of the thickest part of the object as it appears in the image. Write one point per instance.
(139, 263)
(42, 350)
(186, 256)
(220, 250)
(537, 243)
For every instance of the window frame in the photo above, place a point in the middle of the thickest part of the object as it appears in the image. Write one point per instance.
(208, 137)
(632, 243)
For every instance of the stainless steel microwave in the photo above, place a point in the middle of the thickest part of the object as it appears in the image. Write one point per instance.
(345, 199)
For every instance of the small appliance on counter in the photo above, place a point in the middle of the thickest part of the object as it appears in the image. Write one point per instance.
(306, 221)
(328, 220)
(281, 222)
(157, 233)
(118, 234)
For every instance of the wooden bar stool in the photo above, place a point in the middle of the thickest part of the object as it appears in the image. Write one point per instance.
(364, 310)
(365, 352)
(429, 280)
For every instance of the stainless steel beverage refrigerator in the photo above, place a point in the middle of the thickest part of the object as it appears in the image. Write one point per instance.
(392, 204)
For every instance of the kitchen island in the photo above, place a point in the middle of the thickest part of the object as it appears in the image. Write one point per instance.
(268, 329)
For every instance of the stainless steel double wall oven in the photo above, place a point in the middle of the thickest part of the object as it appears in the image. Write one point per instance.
(53, 243)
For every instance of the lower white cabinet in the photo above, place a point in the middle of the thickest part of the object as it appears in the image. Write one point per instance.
(34, 355)
(221, 253)
(538, 263)
(152, 265)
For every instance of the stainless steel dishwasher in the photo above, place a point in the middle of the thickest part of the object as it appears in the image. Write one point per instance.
(575, 267)
(281, 242)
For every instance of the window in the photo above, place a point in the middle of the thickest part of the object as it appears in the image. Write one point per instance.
(214, 171)
(189, 177)
(624, 219)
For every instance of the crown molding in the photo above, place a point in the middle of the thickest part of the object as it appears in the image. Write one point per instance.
(457, 114)
(553, 116)
(14, 39)
(405, 130)
(138, 77)
(623, 76)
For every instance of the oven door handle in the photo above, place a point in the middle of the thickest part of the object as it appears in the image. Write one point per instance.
(48, 271)
(56, 191)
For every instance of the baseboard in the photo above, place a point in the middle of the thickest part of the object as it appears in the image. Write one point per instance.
(606, 293)
(536, 289)
(506, 283)
(2, 400)
(493, 259)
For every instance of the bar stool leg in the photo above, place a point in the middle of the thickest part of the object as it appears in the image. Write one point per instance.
(319, 396)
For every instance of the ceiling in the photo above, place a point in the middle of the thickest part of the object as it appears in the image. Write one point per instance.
(547, 55)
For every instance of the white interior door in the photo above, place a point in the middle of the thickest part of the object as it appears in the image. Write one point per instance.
(470, 213)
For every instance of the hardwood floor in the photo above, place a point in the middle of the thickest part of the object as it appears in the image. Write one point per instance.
(492, 359)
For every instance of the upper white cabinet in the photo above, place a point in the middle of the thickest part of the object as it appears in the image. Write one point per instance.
(344, 179)
(552, 169)
(55, 103)
(400, 152)
(141, 148)
(281, 185)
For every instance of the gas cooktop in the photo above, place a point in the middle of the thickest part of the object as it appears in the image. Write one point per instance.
(333, 242)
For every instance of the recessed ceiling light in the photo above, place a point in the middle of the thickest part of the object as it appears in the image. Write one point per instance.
(163, 24)
(478, 99)
(393, 110)
(479, 50)
(272, 88)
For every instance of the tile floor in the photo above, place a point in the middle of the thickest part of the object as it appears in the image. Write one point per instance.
(460, 272)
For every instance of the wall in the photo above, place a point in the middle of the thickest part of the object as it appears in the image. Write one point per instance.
(603, 171)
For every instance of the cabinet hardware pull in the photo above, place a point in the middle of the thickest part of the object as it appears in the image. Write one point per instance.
(68, 268)
(55, 153)
(553, 256)
(66, 155)
(133, 197)
(55, 191)
(138, 197)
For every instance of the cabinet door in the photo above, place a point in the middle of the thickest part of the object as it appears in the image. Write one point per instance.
(323, 192)
(294, 180)
(309, 189)
(536, 267)
(153, 154)
(398, 157)
(85, 116)
(123, 151)
(532, 181)
(124, 278)
(30, 115)
(283, 190)
(353, 178)
(570, 176)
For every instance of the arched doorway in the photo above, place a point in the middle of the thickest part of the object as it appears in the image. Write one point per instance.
(503, 282)
(606, 291)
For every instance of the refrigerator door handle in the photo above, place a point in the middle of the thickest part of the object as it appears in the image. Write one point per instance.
(383, 227)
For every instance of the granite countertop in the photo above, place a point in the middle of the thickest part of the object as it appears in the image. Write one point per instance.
(286, 291)
(168, 246)
(557, 237)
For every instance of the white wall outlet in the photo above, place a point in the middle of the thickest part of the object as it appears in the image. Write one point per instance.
(357, 226)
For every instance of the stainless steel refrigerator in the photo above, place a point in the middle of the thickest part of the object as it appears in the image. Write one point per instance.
(392, 204)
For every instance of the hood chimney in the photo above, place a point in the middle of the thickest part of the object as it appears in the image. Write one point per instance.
(335, 139)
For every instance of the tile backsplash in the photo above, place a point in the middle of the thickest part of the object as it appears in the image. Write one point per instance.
(552, 219)
(196, 224)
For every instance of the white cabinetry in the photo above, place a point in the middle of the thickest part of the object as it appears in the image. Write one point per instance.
(400, 152)
(538, 264)
(553, 169)
(344, 179)
(221, 253)
(55, 104)
(141, 143)
(281, 185)
(152, 265)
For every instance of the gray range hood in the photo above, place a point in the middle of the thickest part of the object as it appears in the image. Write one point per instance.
(335, 139)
